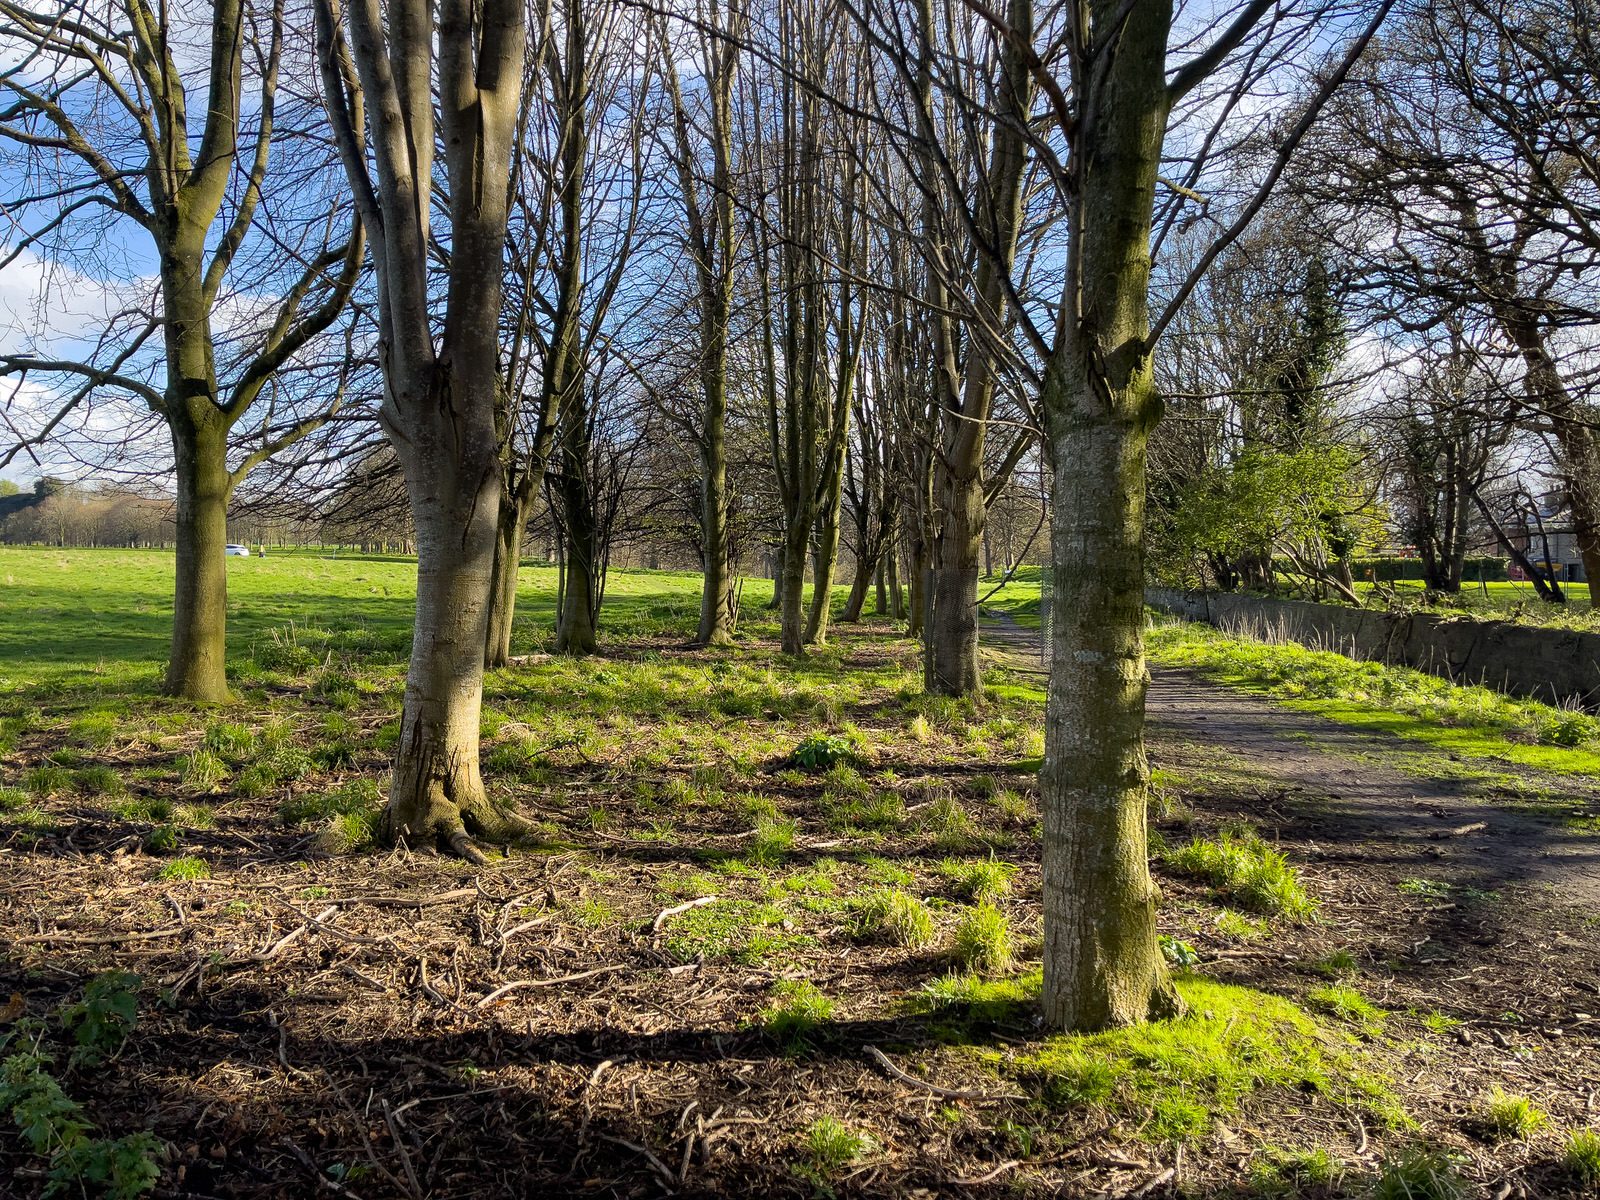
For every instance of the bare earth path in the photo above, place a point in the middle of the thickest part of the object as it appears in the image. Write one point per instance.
(1362, 797)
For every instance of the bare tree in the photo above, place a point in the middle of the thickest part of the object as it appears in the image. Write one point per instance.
(439, 355)
(98, 118)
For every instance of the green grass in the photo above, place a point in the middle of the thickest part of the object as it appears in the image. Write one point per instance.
(983, 940)
(1246, 871)
(830, 1145)
(1581, 1158)
(1175, 1079)
(1419, 1173)
(1283, 1172)
(1513, 1117)
(986, 879)
(1347, 1004)
(186, 868)
(894, 916)
(797, 1014)
(1473, 722)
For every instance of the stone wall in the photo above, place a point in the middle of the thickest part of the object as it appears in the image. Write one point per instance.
(1558, 666)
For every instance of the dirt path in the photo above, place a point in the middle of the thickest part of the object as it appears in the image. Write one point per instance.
(1361, 797)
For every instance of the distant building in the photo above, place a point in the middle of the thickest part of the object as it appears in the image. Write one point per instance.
(1547, 531)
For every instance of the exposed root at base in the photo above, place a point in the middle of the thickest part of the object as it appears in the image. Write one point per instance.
(459, 831)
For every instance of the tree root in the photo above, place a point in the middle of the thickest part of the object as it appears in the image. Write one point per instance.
(459, 830)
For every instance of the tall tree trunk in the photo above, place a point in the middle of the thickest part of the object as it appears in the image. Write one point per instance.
(716, 590)
(512, 518)
(1102, 963)
(792, 583)
(868, 568)
(776, 603)
(1581, 468)
(437, 792)
(197, 668)
(575, 633)
(880, 600)
(823, 559)
(952, 636)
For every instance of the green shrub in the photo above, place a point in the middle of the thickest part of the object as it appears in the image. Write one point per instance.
(1248, 871)
(983, 940)
(103, 1019)
(821, 751)
(894, 916)
(54, 1127)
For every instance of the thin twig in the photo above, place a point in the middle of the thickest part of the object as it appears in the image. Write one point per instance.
(517, 984)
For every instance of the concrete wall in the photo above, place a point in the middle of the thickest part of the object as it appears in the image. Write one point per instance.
(1558, 666)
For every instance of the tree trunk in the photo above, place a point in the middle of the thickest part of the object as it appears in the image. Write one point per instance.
(823, 560)
(776, 603)
(1102, 963)
(1103, 966)
(866, 570)
(792, 583)
(880, 601)
(575, 633)
(716, 592)
(513, 516)
(897, 596)
(916, 600)
(437, 793)
(1582, 469)
(197, 668)
(952, 659)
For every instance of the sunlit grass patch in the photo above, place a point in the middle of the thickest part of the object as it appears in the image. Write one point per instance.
(1347, 1004)
(1476, 722)
(1512, 1116)
(1180, 1076)
(983, 941)
(894, 916)
(986, 879)
(1247, 871)
(738, 930)
(797, 1014)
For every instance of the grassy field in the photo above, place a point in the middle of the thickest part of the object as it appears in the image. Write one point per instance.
(1505, 600)
(756, 881)
(104, 617)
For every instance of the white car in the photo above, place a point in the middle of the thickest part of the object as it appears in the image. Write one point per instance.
(233, 551)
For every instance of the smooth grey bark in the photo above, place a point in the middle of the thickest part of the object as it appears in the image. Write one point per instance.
(441, 371)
